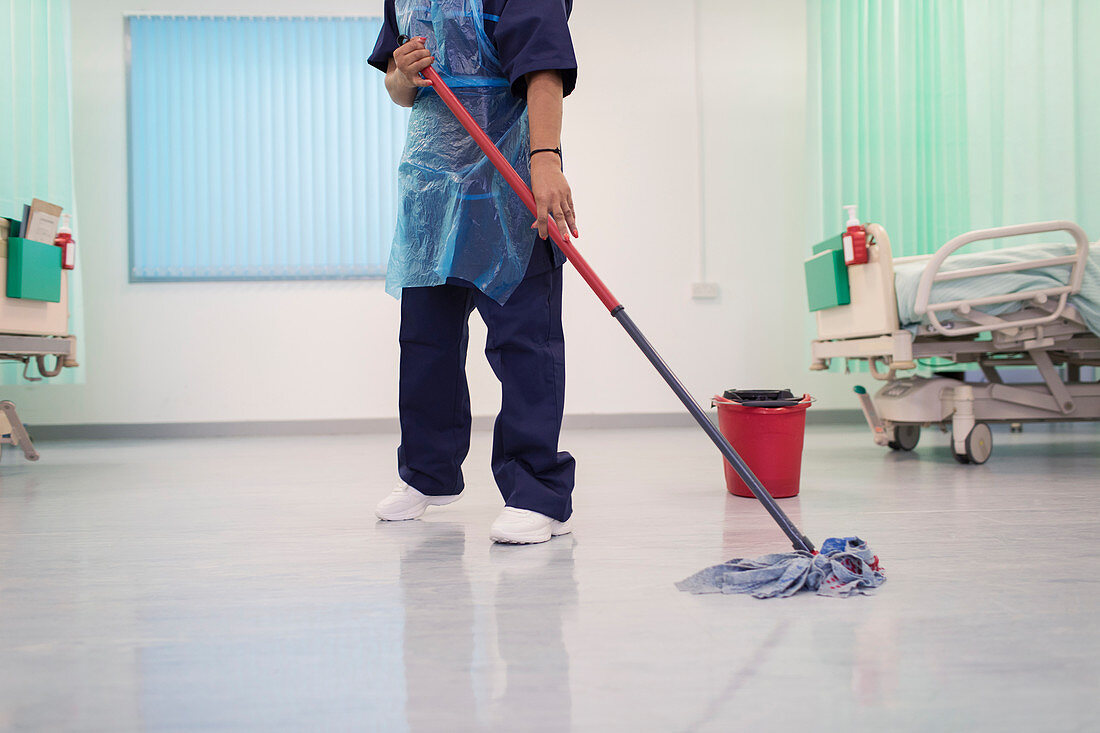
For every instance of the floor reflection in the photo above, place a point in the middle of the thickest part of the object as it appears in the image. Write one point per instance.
(439, 629)
(533, 587)
(747, 530)
(875, 668)
(742, 675)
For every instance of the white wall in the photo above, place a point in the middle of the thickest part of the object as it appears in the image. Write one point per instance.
(327, 350)
(758, 232)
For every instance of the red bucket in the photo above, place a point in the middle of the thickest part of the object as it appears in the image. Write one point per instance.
(769, 439)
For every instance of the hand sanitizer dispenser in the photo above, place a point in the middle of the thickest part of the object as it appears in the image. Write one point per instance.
(64, 240)
(855, 240)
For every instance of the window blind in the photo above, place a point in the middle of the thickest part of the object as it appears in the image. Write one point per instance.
(260, 148)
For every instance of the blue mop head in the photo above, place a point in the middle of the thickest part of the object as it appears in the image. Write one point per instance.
(844, 567)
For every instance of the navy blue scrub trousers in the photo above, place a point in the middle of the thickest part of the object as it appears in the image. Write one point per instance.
(526, 349)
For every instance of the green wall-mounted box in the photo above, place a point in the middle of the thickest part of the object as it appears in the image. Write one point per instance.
(830, 244)
(34, 270)
(827, 280)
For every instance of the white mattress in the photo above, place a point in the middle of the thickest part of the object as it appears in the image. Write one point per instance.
(907, 278)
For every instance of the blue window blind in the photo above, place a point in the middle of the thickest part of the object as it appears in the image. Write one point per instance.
(260, 148)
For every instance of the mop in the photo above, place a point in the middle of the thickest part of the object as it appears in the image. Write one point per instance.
(844, 567)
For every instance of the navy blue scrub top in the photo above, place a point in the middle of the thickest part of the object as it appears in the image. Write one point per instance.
(530, 35)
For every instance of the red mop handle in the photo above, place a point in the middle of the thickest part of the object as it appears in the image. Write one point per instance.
(799, 540)
(524, 191)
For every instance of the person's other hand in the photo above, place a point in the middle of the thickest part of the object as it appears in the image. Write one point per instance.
(411, 59)
(552, 196)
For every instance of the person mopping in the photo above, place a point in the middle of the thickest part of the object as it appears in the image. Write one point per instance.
(464, 241)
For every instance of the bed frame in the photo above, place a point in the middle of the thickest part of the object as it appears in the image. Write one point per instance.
(1047, 333)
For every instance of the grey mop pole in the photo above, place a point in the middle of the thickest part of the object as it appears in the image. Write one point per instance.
(797, 539)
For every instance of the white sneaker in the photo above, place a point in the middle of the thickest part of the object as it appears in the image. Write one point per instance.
(405, 502)
(525, 527)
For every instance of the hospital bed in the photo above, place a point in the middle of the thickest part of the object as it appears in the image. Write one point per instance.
(1036, 305)
(34, 333)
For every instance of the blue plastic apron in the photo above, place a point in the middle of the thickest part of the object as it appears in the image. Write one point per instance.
(457, 217)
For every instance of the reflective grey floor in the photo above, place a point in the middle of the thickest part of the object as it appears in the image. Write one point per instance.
(244, 584)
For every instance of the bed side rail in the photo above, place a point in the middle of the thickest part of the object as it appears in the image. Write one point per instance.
(965, 308)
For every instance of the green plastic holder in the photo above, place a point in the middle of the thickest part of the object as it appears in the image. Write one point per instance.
(827, 280)
(34, 270)
(830, 244)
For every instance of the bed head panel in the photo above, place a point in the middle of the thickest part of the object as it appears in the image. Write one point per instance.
(874, 308)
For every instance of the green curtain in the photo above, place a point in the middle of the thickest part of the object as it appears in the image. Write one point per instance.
(941, 116)
(35, 130)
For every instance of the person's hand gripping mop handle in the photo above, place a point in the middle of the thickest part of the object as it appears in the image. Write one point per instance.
(616, 309)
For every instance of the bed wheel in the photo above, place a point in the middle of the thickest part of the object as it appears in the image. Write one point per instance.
(979, 445)
(906, 437)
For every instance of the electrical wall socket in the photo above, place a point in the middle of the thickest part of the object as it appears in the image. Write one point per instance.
(704, 291)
